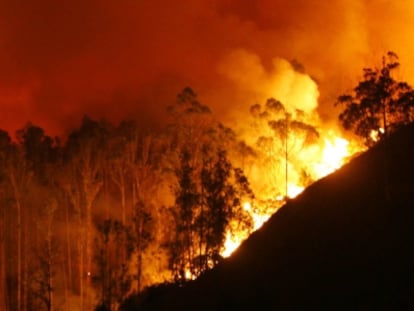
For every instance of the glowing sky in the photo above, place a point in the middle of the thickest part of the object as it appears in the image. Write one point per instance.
(62, 59)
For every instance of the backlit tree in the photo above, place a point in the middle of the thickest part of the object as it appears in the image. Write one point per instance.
(379, 104)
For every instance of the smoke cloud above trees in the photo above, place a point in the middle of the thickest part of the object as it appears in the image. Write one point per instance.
(112, 59)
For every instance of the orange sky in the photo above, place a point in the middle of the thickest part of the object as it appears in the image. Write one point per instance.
(62, 59)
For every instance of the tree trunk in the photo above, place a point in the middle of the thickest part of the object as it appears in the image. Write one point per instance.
(138, 224)
(66, 290)
(19, 296)
(286, 157)
(3, 280)
(50, 272)
(81, 271)
(88, 253)
(91, 190)
(387, 192)
(25, 268)
(123, 201)
(68, 265)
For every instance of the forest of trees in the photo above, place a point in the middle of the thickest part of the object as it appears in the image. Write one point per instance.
(90, 219)
(87, 221)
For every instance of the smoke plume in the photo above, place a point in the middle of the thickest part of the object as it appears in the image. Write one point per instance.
(113, 59)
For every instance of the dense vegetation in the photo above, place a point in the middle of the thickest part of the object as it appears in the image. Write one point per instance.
(379, 104)
(115, 208)
(92, 219)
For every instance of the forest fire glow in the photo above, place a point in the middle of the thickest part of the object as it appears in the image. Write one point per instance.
(375, 134)
(294, 147)
(157, 182)
(294, 190)
(334, 153)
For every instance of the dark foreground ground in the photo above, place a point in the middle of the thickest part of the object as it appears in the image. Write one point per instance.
(346, 243)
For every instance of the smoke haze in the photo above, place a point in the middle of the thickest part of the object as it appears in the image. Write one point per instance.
(62, 59)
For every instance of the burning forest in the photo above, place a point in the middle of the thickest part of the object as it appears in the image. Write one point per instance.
(116, 208)
(151, 186)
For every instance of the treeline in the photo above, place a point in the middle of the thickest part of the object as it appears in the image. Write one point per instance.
(114, 208)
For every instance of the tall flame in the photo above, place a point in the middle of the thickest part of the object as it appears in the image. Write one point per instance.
(334, 153)
(285, 166)
(333, 156)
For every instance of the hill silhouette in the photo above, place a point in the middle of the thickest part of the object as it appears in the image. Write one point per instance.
(345, 243)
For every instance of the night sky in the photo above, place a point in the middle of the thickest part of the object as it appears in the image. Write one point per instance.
(62, 59)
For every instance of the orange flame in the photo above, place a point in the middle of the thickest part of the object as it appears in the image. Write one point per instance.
(323, 160)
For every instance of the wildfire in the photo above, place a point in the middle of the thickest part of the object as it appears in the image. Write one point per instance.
(232, 243)
(374, 134)
(294, 190)
(322, 159)
(233, 240)
(295, 148)
(334, 155)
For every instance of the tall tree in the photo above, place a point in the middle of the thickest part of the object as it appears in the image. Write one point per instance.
(5, 143)
(118, 161)
(187, 199)
(206, 202)
(289, 133)
(379, 104)
(85, 154)
(39, 149)
(113, 275)
(38, 153)
(47, 253)
(143, 235)
(189, 131)
(204, 194)
(20, 177)
(141, 159)
(223, 190)
(192, 125)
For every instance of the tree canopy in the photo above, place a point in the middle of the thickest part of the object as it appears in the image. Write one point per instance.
(379, 104)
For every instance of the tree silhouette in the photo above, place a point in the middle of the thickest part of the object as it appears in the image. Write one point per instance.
(289, 133)
(84, 154)
(143, 235)
(206, 198)
(206, 202)
(5, 142)
(39, 149)
(112, 269)
(223, 189)
(186, 202)
(379, 104)
(47, 255)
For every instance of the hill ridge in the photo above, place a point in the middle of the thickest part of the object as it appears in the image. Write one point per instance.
(344, 243)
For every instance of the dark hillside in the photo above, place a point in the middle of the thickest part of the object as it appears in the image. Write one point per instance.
(346, 243)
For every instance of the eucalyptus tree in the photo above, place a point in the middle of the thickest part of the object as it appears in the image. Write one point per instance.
(289, 133)
(379, 104)
(20, 178)
(112, 277)
(205, 195)
(5, 212)
(84, 156)
(47, 257)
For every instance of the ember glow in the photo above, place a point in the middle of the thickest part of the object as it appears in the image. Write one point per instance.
(374, 135)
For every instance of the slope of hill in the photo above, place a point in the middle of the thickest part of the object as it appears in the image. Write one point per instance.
(346, 243)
